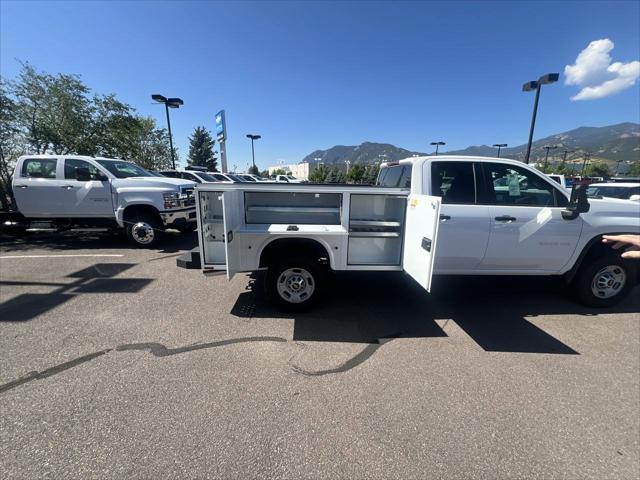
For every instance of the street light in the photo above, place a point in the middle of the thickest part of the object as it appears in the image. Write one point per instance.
(437, 144)
(500, 146)
(537, 85)
(169, 103)
(253, 153)
(546, 156)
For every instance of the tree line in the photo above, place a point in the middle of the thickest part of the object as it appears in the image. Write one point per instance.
(42, 113)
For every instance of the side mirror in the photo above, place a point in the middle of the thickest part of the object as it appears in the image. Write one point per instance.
(579, 203)
(635, 198)
(83, 174)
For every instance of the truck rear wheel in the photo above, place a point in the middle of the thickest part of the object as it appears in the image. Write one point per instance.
(295, 285)
(143, 230)
(605, 281)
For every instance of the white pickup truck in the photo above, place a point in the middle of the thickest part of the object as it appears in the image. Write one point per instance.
(76, 191)
(444, 215)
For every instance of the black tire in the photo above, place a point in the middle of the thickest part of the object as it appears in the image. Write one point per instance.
(144, 230)
(301, 275)
(596, 281)
(188, 228)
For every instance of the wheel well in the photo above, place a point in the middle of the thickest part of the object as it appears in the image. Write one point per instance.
(592, 250)
(134, 210)
(294, 247)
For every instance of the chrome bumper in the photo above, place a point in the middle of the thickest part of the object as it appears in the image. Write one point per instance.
(179, 216)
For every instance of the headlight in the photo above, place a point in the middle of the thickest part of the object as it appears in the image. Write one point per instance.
(171, 200)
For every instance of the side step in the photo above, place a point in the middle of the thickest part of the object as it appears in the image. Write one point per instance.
(189, 260)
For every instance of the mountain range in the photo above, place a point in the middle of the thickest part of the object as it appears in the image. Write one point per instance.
(611, 144)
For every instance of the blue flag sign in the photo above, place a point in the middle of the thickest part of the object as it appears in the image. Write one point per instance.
(221, 131)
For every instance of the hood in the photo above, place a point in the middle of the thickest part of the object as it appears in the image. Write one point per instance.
(152, 182)
(614, 207)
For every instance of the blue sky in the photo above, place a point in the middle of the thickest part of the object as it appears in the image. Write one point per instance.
(308, 75)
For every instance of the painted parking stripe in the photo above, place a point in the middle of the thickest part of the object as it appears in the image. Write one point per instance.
(62, 256)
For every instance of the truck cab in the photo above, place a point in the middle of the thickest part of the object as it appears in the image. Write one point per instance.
(79, 191)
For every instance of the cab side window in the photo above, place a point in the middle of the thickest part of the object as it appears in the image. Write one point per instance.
(397, 176)
(39, 168)
(71, 164)
(189, 176)
(455, 182)
(511, 185)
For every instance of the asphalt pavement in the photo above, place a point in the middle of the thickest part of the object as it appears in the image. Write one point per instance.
(116, 364)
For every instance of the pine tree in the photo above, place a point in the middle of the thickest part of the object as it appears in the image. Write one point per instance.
(253, 170)
(201, 150)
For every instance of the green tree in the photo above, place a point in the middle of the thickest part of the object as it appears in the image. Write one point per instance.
(279, 171)
(254, 170)
(634, 169)
(356, 173)
(9, 144)
(201, 150)
(319, 174)
(371, 174)
(44, 113)
(597, 169)
(264, 174)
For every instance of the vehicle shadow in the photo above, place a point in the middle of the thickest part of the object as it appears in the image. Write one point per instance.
(493, 311)
(172, 242)
(98, 278)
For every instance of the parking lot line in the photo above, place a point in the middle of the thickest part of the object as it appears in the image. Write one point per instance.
(5, 257)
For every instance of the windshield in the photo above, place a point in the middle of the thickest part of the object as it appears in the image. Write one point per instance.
(234, 177)
(291, 177)
(205, 176)
(122, 169)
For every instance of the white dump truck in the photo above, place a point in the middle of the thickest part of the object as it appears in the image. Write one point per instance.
(444, 215)
(79, 192)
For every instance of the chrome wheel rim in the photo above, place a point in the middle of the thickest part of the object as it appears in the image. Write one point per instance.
(609, 281)
(296, 285)
(142, 233)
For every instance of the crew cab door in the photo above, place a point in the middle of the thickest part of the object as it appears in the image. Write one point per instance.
(420, 237)
(528, 232)
(232, 206)
(37, 188)
(90, 198)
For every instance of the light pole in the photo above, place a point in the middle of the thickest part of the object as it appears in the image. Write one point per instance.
(500, 146)
(587, 155)
(253, 152)
(169, 103)
(564, 157)
(437, 144)
(546, 156)
(537, 85)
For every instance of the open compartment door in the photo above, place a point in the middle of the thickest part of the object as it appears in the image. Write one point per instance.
(420, 235)
(233, 218)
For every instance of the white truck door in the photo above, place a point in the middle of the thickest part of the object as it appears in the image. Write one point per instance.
(232, 205)
(420, 237)
(88, 198)
(37, 188)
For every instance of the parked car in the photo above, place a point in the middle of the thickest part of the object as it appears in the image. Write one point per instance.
(196, 176)
(83, 192)
(287, 179)
(626, 191)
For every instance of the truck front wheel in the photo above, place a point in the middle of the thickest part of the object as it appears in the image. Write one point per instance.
(605, 281)
(143, 230)
(295, 285)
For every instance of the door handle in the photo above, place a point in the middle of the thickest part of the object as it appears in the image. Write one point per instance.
(445, 217)
(506, 219)
(68, 187)
(21, 186)
(426, 244)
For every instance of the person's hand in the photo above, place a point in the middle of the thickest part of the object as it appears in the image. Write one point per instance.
(632, 242)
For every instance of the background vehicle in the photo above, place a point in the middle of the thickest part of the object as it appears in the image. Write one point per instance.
(498, 217)
(191, 175)
(559, 178)
(287, 179)
(626, 191)
(80, 192)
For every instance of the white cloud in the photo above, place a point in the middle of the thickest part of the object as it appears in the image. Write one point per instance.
(596, 75)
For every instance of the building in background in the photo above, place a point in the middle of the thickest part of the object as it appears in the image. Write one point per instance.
(302, 170)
